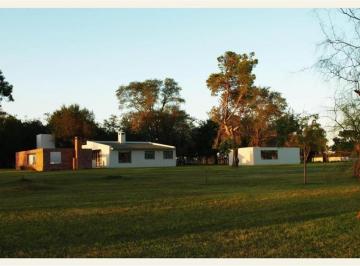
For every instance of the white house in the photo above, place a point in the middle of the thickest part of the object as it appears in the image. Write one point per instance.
(122, 153)
(266, 156)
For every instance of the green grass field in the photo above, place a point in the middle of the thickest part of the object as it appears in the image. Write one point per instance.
(204, 211)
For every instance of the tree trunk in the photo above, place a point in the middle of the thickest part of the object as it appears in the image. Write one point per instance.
(305, 165)
(235, 162)
(305, 172)
(356, 165)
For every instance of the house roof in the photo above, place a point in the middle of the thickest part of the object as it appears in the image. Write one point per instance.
(135, 145)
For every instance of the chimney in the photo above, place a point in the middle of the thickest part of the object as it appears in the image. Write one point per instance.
(121, 137)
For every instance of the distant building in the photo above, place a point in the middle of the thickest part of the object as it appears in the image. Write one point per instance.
(46, 157)
(320, 159)
(266, 156)
(122, 153)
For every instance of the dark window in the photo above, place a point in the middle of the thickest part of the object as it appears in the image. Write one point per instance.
(269, 155)
(168, 155)
(149, 155)
(124, 156)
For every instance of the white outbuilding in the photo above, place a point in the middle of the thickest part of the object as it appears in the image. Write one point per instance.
(122, 153)
(267, 155)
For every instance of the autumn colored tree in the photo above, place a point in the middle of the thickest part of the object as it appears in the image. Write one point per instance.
(71, 121)
(5, 91)
(265, 108)
(233, 84)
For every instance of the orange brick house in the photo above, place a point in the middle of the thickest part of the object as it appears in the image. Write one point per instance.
(48, 158)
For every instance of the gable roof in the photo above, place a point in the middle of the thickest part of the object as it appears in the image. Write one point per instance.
(135, 145)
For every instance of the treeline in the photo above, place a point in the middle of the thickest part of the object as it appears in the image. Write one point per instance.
(193, 139)
(152, 110)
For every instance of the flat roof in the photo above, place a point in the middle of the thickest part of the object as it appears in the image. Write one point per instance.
(135, 145)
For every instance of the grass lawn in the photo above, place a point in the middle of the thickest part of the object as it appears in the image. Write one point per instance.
(200, 211)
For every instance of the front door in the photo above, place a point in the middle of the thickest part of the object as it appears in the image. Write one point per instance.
(96, 157)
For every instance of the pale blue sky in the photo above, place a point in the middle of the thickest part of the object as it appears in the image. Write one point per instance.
(64, 56)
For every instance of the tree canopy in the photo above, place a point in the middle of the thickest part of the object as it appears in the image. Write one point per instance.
(233, 84)
(6, 90)
(247, 115)
(72, 121)
(311, 138)
(151, 111)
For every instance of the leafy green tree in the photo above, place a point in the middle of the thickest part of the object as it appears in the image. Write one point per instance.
(151, 110)
(72, 121)
(149, 95)
(312, 137)
(233, 84)
(286, 127)
(202, 138)
(343, 142)
(112, 124)
(5, 91)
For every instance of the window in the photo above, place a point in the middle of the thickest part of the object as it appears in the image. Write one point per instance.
(31, 159)
(55, 157)
(149, 155)
(124, 156)
(168, 155)
(269, 155)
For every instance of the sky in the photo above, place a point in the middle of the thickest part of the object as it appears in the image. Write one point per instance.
(63, 56)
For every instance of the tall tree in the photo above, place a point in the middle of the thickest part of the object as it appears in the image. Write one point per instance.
(72, 121)
(233, 84)
(5, 91)
(341, 60)
(151, 110)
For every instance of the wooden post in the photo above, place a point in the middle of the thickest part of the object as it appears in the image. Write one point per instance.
(76, 154)
(305, 166)
(305, 172)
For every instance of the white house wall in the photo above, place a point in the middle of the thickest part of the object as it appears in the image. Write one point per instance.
(104, 152)
(245, 156)
(138, 160)
(252, 156)
(285, 156)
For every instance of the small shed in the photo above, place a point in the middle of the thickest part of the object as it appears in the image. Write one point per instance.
(267, 155)
(46, 157)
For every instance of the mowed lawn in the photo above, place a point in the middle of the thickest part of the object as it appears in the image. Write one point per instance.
(197, 211)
